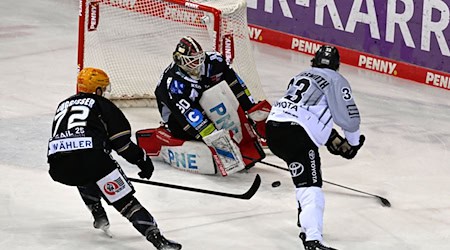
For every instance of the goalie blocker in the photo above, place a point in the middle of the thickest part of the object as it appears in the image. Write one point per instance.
(231, 148)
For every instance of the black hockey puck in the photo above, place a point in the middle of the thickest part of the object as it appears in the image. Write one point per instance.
(276, 184)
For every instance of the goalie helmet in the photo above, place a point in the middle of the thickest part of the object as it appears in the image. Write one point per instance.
(326, 57)
(189, 56)
(90, 80)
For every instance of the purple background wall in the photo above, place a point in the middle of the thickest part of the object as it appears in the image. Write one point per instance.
(269, 13)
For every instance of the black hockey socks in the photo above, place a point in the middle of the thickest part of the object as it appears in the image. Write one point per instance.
(144, 222)
(131, 209)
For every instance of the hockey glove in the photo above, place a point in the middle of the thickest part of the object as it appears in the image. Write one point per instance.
(339, 146)
(353, 150)
(334, 142)
(146, 166)
(258, 114)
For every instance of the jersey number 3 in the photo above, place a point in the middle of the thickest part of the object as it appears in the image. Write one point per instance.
(297, 89)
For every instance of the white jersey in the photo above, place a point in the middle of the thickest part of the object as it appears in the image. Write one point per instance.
(315, 99)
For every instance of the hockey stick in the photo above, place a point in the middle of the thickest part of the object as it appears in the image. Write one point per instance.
(245, 196)
(384, 201)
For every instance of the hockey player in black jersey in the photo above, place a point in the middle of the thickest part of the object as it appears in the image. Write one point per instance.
(302, 121)
(86, 128)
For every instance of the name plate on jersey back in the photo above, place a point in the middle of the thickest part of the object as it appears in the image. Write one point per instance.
(69, 144)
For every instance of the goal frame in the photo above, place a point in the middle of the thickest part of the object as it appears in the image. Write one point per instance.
(222, 27)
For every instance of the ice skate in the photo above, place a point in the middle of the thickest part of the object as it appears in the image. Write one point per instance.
(160, 242)
(100, 218)
(315, 245)
(103, 224)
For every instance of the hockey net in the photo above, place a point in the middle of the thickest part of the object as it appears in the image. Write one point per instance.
(133, 41)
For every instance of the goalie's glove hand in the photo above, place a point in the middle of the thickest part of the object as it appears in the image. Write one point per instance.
(339, 146)
(258, 115)
(146, 166)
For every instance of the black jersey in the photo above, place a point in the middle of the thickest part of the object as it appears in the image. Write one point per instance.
(91, 122)
(178, 94)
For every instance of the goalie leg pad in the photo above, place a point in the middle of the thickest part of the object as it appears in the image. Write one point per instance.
(190, 156)
(222, 108)
(227, 155)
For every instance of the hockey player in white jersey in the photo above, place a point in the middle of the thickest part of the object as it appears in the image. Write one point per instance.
(302, 121)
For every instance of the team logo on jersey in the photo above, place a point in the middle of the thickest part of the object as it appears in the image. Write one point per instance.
(177, 87)
(296, 168)
(194, 117)
(113, 187)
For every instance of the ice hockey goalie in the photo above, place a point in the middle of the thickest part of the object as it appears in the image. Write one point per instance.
(231, 147)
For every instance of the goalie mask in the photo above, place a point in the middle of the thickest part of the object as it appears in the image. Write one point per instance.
(92, 80)
(189, 56)
(326, 57)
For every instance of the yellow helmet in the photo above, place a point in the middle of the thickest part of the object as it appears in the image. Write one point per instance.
(90, 79)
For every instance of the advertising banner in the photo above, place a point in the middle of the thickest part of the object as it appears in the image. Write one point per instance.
(386, 33)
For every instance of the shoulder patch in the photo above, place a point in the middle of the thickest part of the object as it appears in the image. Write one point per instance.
(177, 87)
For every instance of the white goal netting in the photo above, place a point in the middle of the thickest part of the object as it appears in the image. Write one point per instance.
(133, 40)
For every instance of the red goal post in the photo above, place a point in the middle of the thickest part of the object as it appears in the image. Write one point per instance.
(133, 41)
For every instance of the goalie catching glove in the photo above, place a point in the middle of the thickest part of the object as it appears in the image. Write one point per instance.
(258, 114)
(338, 145)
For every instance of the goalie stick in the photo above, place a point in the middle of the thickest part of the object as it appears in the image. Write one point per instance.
(384, 201)
(245, 196)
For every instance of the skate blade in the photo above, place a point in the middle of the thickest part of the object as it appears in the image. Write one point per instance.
(169, 248)
(106, 230)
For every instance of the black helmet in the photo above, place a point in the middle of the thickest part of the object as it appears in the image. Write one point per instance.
(326, 57)
(189, 55)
